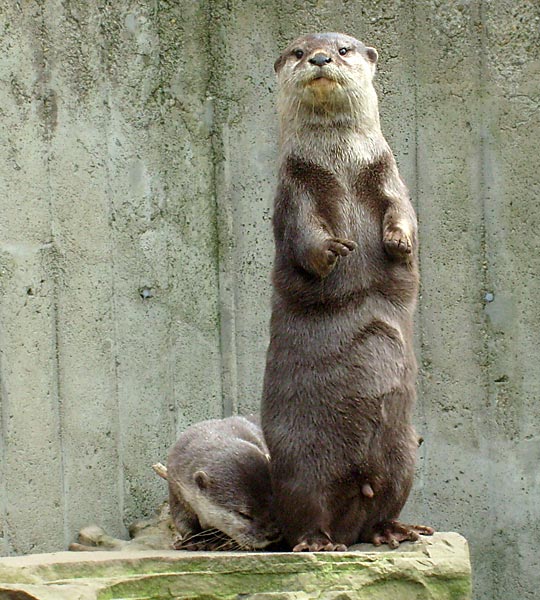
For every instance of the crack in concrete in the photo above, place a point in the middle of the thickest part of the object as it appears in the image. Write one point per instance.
(223, 223)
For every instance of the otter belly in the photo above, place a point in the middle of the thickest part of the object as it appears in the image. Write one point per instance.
(336, 415)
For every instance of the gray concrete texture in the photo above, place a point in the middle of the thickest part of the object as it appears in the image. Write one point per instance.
(138, 163)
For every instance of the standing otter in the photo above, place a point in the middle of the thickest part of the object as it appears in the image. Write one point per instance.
(339, 385)
(219, 479)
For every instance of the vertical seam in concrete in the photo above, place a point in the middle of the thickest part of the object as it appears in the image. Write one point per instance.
(418, 214)
(114, 310)
(482, 188)
(226, 287)
(3, 428)
(171, 351)
(58, 386)
(54, 291)
(170, 399)
(484, 275)
(482, 191)
(171, 345)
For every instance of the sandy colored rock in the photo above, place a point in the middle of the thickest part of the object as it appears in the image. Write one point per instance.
(435, 567)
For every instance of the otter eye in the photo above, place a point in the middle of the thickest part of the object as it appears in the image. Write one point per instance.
(343, 51)
(298, 54)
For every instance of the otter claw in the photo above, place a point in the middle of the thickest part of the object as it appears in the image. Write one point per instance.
(397, 242)
(319, 546)
(394, 532)
(341, 247)
(323, 258)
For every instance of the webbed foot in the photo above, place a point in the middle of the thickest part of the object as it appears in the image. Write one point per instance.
(394, 532)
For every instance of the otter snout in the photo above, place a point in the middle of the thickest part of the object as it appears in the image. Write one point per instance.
(259, 537)
(320, 59)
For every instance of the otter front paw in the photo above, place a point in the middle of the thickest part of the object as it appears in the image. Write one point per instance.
(397, 242)
(325, 257)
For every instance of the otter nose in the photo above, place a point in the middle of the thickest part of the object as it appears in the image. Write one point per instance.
(320, 59)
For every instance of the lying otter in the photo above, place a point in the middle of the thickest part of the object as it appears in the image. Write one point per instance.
(339, 385)
(219, 480)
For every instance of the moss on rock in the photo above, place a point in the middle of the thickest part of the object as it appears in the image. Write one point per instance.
(434, 568)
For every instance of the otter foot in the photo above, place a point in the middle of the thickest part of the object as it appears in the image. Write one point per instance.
(394, 532)
(318, 544)
(396, 242)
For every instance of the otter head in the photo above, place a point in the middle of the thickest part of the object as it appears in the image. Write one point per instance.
(328, 75)
(237, 495)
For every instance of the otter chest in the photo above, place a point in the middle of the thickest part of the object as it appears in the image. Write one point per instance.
(353, 205)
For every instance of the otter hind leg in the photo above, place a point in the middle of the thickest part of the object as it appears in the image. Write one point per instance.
(394, 532)
(304, 516)
(339, 522)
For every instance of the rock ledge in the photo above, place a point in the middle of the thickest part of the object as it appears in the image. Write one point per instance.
(436, 568)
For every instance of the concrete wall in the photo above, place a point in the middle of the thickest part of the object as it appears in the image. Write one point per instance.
(138, 166)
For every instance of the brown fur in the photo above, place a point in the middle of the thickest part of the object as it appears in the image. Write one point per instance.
(219, 481)
(339, 385)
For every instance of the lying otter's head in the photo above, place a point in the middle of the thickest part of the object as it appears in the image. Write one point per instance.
(235, 495)
(327, 75)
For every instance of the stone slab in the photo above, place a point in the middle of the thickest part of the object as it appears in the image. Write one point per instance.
(434, 568)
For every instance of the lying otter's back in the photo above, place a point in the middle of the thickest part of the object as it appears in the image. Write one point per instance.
(201, 444)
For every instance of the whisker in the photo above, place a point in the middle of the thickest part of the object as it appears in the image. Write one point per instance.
(223, 546)
(195, 545)
(228, 544)
(204, 533)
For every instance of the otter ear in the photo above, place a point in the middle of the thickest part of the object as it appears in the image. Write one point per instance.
(201, 479)
(278, 64)
(372, 54)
